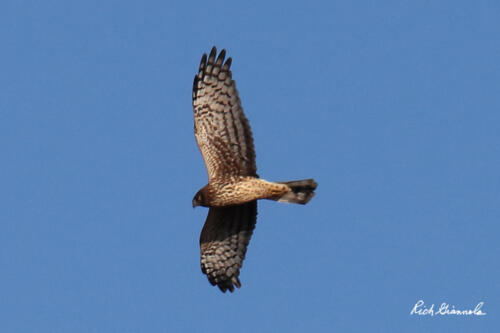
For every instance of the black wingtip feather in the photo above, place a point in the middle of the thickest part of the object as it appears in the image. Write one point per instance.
(211, 57)
(227, 64)
(203, 62)
(220, 58)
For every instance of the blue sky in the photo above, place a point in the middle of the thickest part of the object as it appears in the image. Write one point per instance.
(392, 106)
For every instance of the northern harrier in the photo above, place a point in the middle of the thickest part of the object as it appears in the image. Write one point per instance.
(225, 141)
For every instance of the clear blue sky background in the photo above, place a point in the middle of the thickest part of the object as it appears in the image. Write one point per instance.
(392, 106)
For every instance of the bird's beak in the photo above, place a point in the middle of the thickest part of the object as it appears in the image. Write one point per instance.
(194, 203)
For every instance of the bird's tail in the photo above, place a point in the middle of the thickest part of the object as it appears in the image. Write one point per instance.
(301, 191)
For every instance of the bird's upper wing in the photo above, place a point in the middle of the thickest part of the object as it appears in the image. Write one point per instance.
(223, 242)
(222, 131)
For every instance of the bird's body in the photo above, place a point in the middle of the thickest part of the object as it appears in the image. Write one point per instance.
(222, 193)
(225, 140)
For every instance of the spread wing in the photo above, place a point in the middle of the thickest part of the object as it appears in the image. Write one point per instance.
(221, 129)
(223, 242)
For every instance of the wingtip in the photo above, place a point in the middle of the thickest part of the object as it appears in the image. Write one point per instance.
(211, 56)
(203, 62)
(227, 64)
(236, 281)
(220, 58)
(228, 285)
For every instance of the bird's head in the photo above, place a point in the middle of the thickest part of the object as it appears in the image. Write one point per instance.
(199, 199)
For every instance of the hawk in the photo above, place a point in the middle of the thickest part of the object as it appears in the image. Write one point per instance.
(225, 140)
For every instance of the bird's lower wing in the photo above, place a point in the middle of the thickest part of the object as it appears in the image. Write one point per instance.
(223, 242)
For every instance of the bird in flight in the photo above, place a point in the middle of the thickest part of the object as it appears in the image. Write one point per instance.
(225, 140)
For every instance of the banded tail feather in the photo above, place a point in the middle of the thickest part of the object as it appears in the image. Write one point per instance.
(301, 191)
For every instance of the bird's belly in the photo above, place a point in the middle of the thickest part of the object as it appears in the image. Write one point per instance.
(245, 190)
